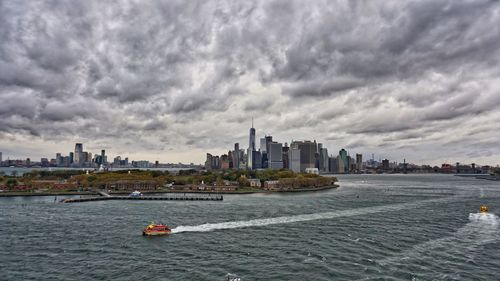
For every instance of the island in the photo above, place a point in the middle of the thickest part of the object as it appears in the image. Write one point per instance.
(81, 182)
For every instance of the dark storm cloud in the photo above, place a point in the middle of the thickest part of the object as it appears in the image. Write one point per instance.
(158, 71)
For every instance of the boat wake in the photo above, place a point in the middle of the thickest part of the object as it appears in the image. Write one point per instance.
(306, 217)
(462, 247)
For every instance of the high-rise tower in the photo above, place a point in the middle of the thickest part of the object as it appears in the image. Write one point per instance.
(251, 148)
(78, 157)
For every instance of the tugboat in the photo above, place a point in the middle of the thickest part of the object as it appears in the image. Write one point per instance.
(156, 229)
(483, 209)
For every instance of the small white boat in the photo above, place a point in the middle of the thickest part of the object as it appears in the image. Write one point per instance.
(135, 194)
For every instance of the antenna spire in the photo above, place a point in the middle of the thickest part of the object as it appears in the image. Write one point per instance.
(252, 122)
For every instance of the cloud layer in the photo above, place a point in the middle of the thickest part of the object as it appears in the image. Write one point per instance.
(170, 80)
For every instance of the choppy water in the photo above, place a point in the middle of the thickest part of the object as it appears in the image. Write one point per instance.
(375, 227)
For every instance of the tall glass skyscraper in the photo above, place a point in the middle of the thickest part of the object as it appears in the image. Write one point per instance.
(251, 148)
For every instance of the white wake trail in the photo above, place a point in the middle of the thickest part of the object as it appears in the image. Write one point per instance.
(307, 217)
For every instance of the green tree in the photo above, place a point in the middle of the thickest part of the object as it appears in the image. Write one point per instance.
(11, 182)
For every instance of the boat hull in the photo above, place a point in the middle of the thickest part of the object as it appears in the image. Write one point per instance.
(155, 233)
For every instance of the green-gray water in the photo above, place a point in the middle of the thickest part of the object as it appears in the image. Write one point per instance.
(374, 227)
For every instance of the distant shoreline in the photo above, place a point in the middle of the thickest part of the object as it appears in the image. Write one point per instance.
(29, 194)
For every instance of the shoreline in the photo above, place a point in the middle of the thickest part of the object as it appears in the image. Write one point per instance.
(62, 193)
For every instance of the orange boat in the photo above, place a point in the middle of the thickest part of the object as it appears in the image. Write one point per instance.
(156, 229)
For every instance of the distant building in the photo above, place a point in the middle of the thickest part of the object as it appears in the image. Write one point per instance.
(78, 156)
(208, 162)
(332, 165)
(224, 162)
(59, 160)
(286, 155)
(308, 151)
(359, 161)
(343, 162)
(236, 156)
(257, 160)
(385, 164)
(323, 160)
(275, 156)
(251, 149)
(294, 158)
(255, 183)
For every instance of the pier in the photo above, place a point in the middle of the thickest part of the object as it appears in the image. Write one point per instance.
(157, 198)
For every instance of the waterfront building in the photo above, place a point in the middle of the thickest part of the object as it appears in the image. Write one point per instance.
(251, 150)
(71, 157)
(257, 160)
(323, 160)
(224, 162)
(58, 160)
(1, 160)
(294, 158)
(343, 162)
(286, 161)
(332, 165)
(275, 156)
(230, 159)
(65, 161)
(308, 151)
(385, 164)
(359, 161)
(208, 162)
(104, 160)
(236, 156)
(78, 157)
(263, 145)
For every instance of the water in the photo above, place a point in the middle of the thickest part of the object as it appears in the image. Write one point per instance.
(375, 227)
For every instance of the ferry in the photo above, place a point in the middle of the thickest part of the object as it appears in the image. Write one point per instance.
(156, 229)
(483, 209)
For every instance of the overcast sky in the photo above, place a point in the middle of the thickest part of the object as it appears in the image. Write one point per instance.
(172, 80)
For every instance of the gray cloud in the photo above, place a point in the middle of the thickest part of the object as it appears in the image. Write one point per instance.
(415, 75)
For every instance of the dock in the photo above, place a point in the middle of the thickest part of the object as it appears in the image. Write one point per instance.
(104, 196)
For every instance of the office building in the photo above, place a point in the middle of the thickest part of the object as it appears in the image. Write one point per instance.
(236, 156)
(275, 153)
(59, 160)
(359, 161)
(332, 165)
(343, 162)
(286, 159)
(78, 157)
(323, 160)
(294, 158)
(308, 152)
(251, 150)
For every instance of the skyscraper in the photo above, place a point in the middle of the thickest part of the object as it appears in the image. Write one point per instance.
(275, 155)
(236, 156)
(251, 148)
(343, 164)
(308, 152)
(59, 160)
(323, 160)
(359, 161)
(78, 157)
(294, 158)
(103, 157)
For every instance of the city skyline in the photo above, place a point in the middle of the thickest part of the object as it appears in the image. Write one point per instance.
(414, 80)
